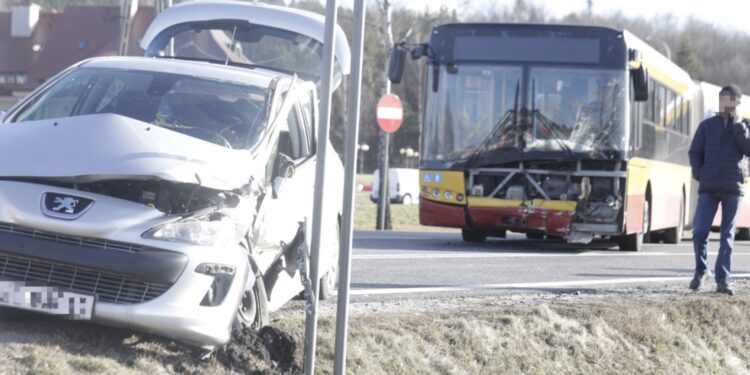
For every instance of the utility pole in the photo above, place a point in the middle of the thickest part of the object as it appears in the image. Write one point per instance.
(590, 4)
(384, 201)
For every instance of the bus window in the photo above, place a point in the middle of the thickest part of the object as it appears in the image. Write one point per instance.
(670, 109)
(680, 113)
(659, 105)
(649, 106)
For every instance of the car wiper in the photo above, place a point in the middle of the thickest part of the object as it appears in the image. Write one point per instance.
(500, 125)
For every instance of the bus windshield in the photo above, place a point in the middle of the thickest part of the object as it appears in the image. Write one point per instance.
(556, 111)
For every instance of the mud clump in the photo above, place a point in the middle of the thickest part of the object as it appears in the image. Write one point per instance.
(266, 351)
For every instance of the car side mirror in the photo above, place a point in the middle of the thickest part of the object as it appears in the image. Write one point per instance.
(396, 64)
(286, 171)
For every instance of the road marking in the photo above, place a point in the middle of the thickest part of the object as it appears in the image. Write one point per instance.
(537, 285)
(520, 255)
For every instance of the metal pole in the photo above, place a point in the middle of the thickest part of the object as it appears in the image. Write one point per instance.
(350, 157)
(383, 177)
(311, 323)
(384, 201)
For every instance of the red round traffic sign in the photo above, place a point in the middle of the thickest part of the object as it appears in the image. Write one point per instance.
(390, 113)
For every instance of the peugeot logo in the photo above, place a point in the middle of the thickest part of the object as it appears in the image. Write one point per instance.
(65, 206)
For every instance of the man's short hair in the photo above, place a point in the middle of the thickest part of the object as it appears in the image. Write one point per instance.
(732, 90)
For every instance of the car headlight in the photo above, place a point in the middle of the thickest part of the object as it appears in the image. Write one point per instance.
(206, 229)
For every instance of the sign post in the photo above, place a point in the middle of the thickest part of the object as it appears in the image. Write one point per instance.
(311, 321)
(350, 158)
(390, 114)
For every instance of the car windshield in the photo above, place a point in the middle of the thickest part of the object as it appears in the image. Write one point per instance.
(228, 114)
(484, 108)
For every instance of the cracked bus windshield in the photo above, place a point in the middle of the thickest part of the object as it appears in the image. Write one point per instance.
(484, 108)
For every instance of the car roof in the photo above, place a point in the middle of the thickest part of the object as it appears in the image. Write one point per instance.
(252, 77)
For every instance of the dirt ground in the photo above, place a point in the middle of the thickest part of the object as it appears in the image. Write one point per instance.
(658, 329)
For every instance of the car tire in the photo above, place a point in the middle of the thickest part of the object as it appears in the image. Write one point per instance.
(743, 234)
(329, 281)
(253, 310)
(473, 236)
(328, 284)
(406, 200)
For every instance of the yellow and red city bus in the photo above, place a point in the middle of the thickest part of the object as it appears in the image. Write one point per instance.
(555, 130)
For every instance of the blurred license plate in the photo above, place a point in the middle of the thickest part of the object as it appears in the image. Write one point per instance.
(48, 300)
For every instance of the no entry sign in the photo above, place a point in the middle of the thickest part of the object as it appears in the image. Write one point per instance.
(390, 113)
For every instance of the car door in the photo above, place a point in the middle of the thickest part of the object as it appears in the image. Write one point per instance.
(288, 204)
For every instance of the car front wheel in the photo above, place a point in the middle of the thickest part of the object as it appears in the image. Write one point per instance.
(253, 310)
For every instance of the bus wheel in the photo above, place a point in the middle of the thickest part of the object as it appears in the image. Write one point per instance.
(500, 233)
(743, 234)
(473, 236)
(631, 242)
(634, 242)
(535, 235)
(674, 235)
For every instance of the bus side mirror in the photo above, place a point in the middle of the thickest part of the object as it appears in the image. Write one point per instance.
(396, 65)
(640, 84)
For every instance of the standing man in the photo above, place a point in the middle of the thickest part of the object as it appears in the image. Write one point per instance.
(717, 158)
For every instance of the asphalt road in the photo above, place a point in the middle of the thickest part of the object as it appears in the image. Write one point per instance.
(409, 263)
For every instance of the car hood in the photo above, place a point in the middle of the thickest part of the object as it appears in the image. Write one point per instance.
(109, 146)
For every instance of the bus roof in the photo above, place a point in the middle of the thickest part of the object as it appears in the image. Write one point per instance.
(520, 26)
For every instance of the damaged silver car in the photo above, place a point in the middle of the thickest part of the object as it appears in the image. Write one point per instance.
(165, 193)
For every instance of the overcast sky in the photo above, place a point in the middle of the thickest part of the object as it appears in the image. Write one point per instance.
(731, 14)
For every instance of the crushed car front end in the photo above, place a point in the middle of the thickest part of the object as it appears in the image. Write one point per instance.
(186, 292)
(147, 216)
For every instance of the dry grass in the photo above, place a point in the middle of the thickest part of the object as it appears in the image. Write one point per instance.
(686, 336)
(678, 333)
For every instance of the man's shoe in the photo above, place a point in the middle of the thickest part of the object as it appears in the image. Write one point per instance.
(724, 288)
(697, 281)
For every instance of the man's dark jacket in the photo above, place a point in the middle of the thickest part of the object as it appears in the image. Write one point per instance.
(717, 156)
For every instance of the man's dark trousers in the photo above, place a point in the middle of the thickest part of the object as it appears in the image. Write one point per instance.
(705, 211)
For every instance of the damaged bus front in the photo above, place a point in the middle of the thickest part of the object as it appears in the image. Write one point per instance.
(526, 128)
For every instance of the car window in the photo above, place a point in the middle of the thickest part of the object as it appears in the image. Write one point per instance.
(59, 100)
(298, 146)
(224, 113)
(308, 113)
